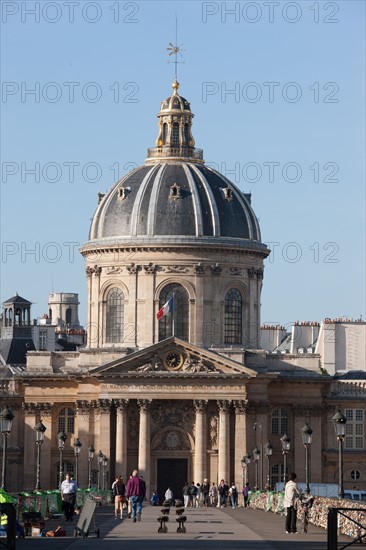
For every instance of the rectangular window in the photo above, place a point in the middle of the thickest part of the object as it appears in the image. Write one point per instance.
(355, 429)
(61, 424)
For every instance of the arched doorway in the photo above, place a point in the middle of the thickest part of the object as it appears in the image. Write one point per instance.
(171, 453)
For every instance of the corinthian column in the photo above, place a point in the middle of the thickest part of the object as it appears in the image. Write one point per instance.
(224, 441)
(144, 442)
(121, 438)
(240, 441)
(200, 463)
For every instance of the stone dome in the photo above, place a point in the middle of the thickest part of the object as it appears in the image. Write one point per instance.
(174, 196)
(177, 199)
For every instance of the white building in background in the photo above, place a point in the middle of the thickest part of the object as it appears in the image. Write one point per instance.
(339, 345)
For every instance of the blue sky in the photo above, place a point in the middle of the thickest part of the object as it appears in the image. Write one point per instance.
(277, 89)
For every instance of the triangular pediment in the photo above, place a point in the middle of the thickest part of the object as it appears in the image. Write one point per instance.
(173, 357)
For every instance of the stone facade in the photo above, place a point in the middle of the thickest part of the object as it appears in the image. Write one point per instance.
(186, 407)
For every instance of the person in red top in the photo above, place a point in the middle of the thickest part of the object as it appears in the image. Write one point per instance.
(135, 492)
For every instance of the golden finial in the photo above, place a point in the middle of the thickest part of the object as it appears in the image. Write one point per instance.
(175, 86)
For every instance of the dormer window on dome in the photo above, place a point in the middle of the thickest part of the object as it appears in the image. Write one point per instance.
(123, 192)
(174, 192)
(228, 193)
(175, 139)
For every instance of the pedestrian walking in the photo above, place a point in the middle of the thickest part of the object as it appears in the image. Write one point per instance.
(186, 495)
(192, 494)
(135, 492)
(291, 492)
(223, 493)
(205, 490)
(233, 493)
(246, 491)
(68, 496)
(119, 491)
(213, 494)
(197, 498)
(169, 496)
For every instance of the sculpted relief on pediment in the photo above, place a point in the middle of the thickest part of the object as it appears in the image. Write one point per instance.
(177, 361)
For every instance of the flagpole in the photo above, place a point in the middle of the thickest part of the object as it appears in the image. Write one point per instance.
(173, 328)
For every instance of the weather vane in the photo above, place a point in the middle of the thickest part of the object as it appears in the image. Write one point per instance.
(175, 50)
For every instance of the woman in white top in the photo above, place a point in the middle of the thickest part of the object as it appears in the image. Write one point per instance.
(291, 492)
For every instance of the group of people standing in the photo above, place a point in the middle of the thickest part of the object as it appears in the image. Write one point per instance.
(206, 494)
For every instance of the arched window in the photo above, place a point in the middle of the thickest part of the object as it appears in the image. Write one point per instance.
(165, 132)
(66, 420)
(68, 316)
(233, 317)
(114, 316)
(279, 422)
(175, 136)
(186, 134)
(180, 313)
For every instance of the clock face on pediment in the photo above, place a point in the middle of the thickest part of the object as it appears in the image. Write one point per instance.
(173, 359)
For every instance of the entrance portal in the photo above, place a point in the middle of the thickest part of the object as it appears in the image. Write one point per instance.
(172, 472)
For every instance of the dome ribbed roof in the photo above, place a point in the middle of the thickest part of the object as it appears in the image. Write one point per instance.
(174, 199)
(174, 196)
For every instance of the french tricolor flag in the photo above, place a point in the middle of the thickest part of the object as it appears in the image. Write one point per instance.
(167, 309)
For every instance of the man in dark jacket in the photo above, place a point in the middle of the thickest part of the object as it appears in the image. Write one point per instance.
(223, 492)
(135, 492)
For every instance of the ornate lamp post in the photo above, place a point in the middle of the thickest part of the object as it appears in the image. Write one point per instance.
(100, 456)
(339, 422)
(307, 433)
(77, 449)
(91, 452)
(6, 420)
(61, 438)
(39, 428)
(104, 463)
(245, 461)
(268, 451)
(285, 442)
(256, 455)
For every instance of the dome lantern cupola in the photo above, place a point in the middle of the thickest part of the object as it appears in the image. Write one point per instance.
(175, 140)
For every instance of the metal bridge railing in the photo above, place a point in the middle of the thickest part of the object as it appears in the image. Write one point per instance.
(332, 530)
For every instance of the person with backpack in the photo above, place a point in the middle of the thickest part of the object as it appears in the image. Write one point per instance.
(119, 491)
(192, 494)
(205, 489)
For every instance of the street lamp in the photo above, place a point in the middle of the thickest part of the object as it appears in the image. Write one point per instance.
(104, 463)
(77, 449)
(61, 438)
(306, 433)
(256, 455)
(39, 428)
(339, 422)
(91, 452)
(6, 420)
(100, 456)
(285, 442)
(268, 451)
(244, 464)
